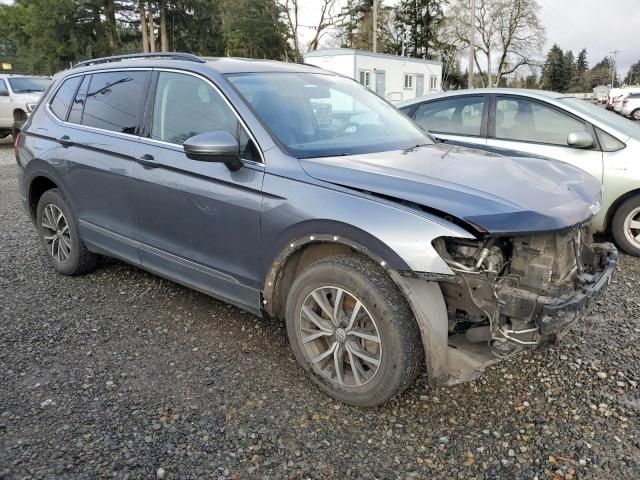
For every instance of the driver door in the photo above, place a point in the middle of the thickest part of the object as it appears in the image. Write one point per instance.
(536, 128)
(199, 221)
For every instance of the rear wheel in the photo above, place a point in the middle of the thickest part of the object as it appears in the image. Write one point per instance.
(636, 114)
(59, 235)
(625, 226)
(353, 331)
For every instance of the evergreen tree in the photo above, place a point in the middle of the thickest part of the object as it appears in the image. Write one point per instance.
(554, 71)
(581, 63)
(569, 70)
(419, 20)
(633, 76)
(601, 73)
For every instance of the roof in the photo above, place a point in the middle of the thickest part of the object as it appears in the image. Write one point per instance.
(222, 65)
(541, 94)
(330, 52)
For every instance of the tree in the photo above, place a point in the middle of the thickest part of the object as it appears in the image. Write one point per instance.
(633, 75)
(569, 73)
(420, 21)
(581, 63)
(554, 71)
(509, 35)
(601, 73)
(327, 20)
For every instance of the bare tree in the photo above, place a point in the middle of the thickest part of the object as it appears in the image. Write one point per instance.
(290, 11)
(327, 20)
(164, 39)
(508, 34)
(152, 29)
(143, 26)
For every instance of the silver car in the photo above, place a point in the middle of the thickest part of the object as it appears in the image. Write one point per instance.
(545, 124)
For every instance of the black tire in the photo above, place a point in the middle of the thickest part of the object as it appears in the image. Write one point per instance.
(635, 115)
(618, 228)
(80, 260)
(4, 133)
(402, 354)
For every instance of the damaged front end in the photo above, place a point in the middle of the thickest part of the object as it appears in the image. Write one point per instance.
(515, 292)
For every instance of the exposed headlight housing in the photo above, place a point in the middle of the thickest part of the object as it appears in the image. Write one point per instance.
(31, 107)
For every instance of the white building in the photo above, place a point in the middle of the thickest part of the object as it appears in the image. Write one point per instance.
(390, 76)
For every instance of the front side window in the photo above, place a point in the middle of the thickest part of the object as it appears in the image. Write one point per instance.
(527, 121)
(186, 106)
(29, 84)
(320, 115)
(408, 81)
(115, 101)
(64, 96)
(456, 116)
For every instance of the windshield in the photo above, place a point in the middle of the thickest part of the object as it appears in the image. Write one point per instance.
(319, 115)
(28, 84)
(600, 115)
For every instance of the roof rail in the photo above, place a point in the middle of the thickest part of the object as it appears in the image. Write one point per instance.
(166, 55)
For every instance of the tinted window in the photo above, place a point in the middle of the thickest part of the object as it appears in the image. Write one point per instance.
(185, 106)
(75, 115)
(527, 121)
(461, 116)
(115, 101)
(608, 142)
(3, 88)
(63, 97)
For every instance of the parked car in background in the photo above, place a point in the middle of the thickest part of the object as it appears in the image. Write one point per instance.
(614, 94)
(631, 106)
(545, 124)
(293, 192)
(19, 95)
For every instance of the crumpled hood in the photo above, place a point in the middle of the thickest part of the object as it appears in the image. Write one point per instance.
(500, 195)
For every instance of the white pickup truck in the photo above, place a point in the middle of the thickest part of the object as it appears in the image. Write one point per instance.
(19, 95)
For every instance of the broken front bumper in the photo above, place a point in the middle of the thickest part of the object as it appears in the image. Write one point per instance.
(556, 318)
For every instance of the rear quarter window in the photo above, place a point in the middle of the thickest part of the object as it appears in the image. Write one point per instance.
(64, 96)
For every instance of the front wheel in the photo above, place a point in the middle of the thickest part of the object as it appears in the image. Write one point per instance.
(636, 114)
(625, 226)
(353, 331)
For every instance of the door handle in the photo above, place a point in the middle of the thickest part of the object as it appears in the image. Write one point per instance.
(148, 161)
(65, 141)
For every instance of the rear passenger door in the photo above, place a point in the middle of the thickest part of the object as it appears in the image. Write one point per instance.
(199, 221)
(98, 117)
(456, 120)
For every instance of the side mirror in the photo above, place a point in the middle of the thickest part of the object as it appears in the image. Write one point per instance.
(218, 146)
(580, 140)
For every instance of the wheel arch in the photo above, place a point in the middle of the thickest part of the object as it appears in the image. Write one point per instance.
(306, 243)
(39, 177)
(19, 115)
(615, 205)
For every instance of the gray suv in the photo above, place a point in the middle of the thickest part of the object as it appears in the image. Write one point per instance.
(293, 192)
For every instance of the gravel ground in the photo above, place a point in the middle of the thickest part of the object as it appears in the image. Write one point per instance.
(121, 374)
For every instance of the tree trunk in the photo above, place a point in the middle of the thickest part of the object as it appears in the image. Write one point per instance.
(164, 39)
(112, 32)
(152, 29)
(143, 27)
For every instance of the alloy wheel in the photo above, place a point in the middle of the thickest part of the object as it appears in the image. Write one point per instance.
(340, 336)
(56, 233)
(636, 114)
(632, 227)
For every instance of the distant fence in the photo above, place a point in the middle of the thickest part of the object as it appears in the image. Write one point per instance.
(16, 66)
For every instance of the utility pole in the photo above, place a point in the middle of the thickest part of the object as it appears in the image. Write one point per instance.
(375, 26)
(613, 65)
(472, 45)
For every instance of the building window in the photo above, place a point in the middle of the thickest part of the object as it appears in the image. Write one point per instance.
(433, 82)
(408, 81)
(365, 78)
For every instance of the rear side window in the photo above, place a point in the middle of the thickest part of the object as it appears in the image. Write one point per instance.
(115, 100)
(64, 96)
(75, 115)
(457, 116)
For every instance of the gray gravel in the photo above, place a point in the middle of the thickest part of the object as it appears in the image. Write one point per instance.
(121, 374)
